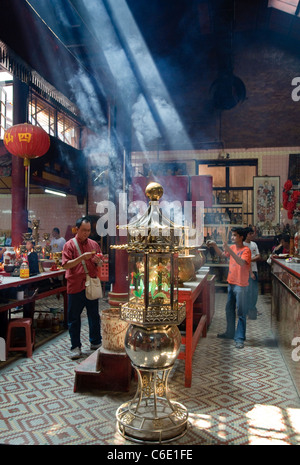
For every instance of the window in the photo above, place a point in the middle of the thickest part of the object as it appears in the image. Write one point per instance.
(40, 113)
(240, 176)
(235, 178)
(53, 121)
(67, 130)
(6, 101)
(217, 172)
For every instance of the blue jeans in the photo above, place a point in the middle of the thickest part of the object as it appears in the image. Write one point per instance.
(236, 299)
(252, 295)
(76, 303)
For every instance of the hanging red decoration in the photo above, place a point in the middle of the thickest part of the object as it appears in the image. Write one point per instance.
(290, 199)
(26, 141)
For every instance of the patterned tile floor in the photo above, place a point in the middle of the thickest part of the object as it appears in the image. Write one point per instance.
(237, 396)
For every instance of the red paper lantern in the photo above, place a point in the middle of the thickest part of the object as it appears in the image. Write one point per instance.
(26, 141)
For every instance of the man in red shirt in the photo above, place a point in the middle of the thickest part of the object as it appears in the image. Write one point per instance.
(238, 280)
(75, 276)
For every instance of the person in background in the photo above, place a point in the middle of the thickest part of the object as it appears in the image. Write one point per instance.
(252, 292)
(29, 246)
(238, 280)
(75, 276)
(284, 245)
(1, 254)
(32, 258)
(58, 242)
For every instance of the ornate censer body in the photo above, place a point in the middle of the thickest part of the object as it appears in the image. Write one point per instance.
(153, 339)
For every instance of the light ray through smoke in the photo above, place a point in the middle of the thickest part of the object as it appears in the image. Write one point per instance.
(144, 65)
(118, 46)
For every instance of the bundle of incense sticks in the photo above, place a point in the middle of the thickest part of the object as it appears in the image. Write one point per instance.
(224, 231)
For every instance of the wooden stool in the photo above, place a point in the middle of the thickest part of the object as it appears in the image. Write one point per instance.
(25, 323)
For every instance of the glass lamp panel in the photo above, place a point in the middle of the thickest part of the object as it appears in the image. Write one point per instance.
(136, 274)
(160, 279)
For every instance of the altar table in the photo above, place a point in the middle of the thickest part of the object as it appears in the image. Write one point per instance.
(195, 295)
(14, 282)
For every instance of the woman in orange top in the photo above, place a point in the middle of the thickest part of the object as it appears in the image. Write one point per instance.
(238, 280)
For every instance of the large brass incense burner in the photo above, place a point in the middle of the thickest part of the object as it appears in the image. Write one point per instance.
(153, 339)
(34, 236)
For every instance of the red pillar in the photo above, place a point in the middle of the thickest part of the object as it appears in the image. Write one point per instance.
(119, 294)
(19, 214)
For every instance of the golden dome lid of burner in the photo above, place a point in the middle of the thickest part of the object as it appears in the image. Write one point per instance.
(154, 191)
(153, 231)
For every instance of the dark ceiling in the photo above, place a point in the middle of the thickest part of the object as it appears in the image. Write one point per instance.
(170, 67)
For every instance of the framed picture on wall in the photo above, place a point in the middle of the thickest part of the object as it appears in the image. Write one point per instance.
(266, 200)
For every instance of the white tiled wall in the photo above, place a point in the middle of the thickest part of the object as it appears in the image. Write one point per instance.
(63, 212)
(52, 212)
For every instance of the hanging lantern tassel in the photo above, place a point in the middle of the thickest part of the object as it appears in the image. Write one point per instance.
(26, 164)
